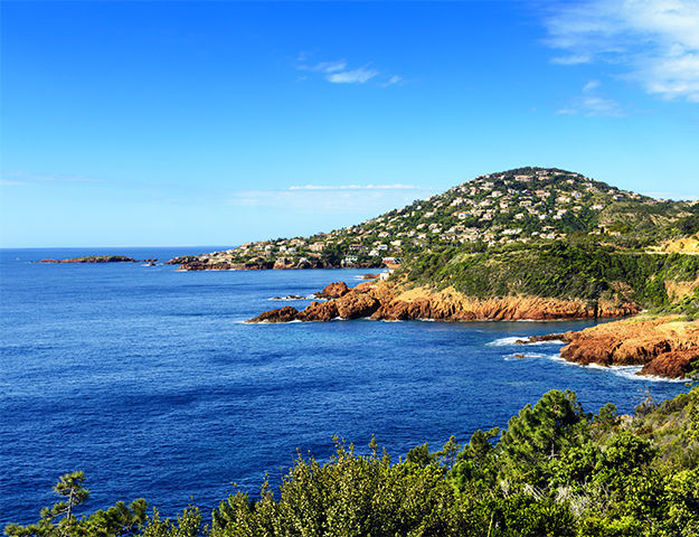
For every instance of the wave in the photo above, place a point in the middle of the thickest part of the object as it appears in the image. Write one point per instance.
(512, 341)
(506, 341)
(625, 371)
(265, 323)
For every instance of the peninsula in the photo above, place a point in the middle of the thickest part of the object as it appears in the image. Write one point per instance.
(529, 243)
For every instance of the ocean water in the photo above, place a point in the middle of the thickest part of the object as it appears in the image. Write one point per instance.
(148, 380)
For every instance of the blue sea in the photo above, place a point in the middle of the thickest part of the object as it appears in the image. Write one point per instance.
(149, 381)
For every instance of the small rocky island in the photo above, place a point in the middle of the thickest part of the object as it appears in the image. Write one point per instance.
(96, 259)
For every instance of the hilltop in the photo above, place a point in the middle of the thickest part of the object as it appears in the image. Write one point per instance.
(520, 206)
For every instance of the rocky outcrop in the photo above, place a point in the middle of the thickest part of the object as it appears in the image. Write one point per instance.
(201, 265)
(195, 263)
(450, 305)
(356, 305)
(664, 346)
(281, 315)
(334, 290)
(673, 364)
(319, 311)
(93, 259)
(381, 300)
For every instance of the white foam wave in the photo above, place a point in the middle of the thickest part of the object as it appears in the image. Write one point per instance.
(266, 323)
(509, 341)
(506, 341)
(525, 356)
(626, 371)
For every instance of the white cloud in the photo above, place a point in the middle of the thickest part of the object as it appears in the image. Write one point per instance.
(396, 186)
(590, 103)
(590, 86)
(656, 42)
(571, 60)
(325, 67)
(395, 79)
(16, 178)
(355, 76)
(362, 200)
(339, 72)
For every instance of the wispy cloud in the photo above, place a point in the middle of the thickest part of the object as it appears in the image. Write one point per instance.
(591, 103)
(355, 76)
(17, 178)
(655, 42)
(396, 186)
(395, 79)
(347, 199)
(339, 72)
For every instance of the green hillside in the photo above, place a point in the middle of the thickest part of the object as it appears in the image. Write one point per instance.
(524, 205)
(567, 269)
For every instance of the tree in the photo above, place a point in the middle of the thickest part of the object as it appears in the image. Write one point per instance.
(537, 436)
(60, 520)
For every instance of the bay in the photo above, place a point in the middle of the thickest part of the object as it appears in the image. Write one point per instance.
(149, 380)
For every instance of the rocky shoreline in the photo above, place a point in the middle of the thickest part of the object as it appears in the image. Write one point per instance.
(383, 300)
(664, 346)
(197, 263)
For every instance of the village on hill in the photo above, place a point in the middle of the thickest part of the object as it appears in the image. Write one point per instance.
(519, 205)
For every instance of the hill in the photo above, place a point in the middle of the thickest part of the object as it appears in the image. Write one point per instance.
(523, 205)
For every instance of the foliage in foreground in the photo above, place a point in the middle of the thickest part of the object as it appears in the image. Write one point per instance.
(555, 471)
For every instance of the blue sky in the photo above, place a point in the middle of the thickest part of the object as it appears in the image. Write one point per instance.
(184, 123)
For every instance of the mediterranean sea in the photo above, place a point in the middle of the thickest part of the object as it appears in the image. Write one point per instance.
(148, 380)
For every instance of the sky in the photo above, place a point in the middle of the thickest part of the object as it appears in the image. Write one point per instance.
(189, 123)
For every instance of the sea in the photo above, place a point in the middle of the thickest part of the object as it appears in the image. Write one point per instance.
(149, 380)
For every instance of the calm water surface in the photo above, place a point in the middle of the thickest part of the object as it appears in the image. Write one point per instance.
(147, 379)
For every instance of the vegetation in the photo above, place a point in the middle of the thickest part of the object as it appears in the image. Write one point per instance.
(561, 269)
(490, 211)
(529, 231)
(555, 471)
